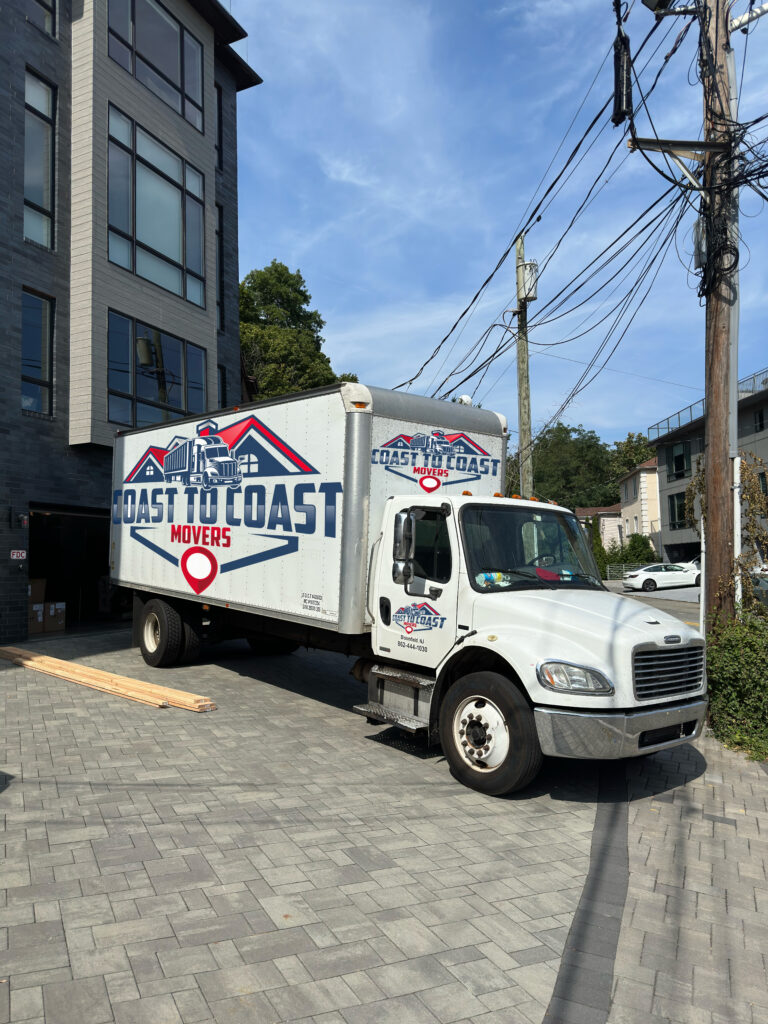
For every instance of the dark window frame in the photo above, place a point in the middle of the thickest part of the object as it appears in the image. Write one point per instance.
(220, 318)
(678, 462)
(218, 122)
(46, 383)
(177, 411)
(130, 44)
(186, 194)
(49, 6)
(676, 509)
(28, 108)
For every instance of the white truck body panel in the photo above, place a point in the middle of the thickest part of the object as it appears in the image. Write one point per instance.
(289, 536)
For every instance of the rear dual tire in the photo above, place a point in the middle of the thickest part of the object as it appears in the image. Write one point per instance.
(161, 636)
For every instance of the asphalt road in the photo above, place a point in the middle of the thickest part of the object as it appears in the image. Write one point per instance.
(682, 602)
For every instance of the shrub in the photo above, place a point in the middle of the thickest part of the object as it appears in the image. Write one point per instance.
(737, 669)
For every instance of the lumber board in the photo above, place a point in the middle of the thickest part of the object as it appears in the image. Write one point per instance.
(108, 682)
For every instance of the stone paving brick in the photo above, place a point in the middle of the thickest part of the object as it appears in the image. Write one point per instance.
(153, 1010)
(72, 1002)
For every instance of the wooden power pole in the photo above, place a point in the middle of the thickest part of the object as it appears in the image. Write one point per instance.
(523, 379)
(721, 261)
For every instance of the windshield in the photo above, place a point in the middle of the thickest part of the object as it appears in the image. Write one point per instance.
(217, 451)
(514, 548)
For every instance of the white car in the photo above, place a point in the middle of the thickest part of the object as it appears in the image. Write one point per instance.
(651, 577)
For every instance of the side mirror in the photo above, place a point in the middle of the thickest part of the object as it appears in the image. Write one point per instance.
(402, 572)
(402, 549)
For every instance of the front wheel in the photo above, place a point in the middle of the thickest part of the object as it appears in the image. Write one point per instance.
(697, 581)
(649, 585)
(488, 734)
(161, 635)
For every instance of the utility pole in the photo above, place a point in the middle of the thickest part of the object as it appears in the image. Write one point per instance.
(523, 380)
(721, 298)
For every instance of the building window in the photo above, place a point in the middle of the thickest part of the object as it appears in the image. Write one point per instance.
(759, 420)
(156, 211)
(222, 386)
(636, 525)
(218, 126)
(626, 521)
(43, 14)
(157, 50)
(153, 377)
(36, 352)
(677, 520)
(763, 483)
(678, 460)
(39, 100)
(634, 489)
(219, 267)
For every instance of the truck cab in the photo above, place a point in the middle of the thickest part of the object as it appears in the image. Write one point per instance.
(511, 647)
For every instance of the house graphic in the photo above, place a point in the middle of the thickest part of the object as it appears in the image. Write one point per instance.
(259, 451)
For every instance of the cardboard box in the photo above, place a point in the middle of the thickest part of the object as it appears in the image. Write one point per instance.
(36, 591)
(36, 619)
(55, 614)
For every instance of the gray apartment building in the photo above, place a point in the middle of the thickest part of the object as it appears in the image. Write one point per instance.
(680, 444)
(118, 270)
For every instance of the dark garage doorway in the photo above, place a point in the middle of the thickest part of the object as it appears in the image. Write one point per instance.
(69, 549)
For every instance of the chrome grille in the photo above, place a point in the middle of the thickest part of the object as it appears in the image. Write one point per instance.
(659, 672)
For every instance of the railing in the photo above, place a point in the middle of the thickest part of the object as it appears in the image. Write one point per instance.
(747, 386)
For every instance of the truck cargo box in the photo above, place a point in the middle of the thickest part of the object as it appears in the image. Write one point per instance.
(266, 508)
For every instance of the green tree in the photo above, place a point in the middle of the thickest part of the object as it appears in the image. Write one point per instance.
(280, 336)
(598, 550)
(627, 454)
(639, 549)
(570, 466)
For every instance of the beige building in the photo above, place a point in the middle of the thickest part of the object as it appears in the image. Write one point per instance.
(609, 517)
(640, 502)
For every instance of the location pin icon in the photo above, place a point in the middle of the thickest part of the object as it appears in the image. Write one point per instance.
(199, 568)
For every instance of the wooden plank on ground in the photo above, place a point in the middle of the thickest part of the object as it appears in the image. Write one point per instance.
(108, 682)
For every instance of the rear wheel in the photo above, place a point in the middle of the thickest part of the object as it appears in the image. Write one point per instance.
(192, 643)
(161, 634)
(697, 581)
(649, 585)
(488, 734)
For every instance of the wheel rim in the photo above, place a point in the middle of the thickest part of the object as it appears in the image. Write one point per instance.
(151, 632)
(480, 732)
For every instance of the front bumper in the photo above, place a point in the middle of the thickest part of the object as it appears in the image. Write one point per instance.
(626, 734)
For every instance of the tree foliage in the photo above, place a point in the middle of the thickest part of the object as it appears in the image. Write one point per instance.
(598, 549)
(570, 466)
(574, 467)
(737, 655)
(280, 336)
(627, 454)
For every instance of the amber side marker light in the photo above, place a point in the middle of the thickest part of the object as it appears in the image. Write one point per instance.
(468, 493)
(519, 497)
(360, 405)
(498, 494)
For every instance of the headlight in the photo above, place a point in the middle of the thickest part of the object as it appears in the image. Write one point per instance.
(559, 675)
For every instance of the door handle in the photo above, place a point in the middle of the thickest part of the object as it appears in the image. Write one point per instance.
(385, 610)
(435, 592)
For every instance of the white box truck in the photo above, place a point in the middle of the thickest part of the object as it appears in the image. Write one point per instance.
(371, 522)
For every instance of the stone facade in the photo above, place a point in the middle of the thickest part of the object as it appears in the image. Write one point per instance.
(60, 464)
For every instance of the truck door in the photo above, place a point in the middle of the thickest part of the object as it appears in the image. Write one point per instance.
(416, 622)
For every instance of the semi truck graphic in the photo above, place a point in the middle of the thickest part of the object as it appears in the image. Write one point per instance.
(202, 460)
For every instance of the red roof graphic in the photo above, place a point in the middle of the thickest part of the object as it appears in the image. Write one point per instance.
(158, 454)
(233, 434)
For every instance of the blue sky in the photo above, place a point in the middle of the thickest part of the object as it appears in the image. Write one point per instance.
(391, 155)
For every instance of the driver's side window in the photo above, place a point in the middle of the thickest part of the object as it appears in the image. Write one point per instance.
(432, 546)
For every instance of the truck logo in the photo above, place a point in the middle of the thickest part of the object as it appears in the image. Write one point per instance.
(436, 459)
(417, 618)
(234, 476)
